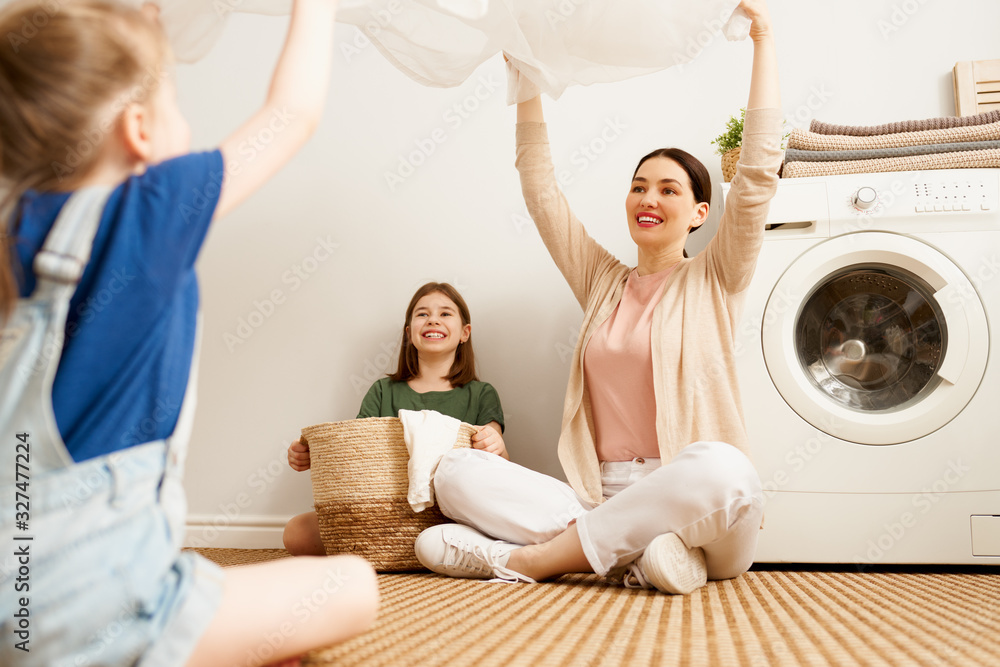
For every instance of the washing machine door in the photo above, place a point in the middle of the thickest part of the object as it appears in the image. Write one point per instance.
(875, 338)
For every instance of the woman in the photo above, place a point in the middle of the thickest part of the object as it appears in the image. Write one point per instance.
(652, 373)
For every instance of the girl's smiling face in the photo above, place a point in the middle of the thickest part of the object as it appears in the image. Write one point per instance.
(436, 325)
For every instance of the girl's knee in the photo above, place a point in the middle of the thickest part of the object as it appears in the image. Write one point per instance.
(302, 537)
(355, 584)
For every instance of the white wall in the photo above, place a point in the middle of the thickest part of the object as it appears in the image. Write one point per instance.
(460, 218)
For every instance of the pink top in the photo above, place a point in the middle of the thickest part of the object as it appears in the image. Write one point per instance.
(618, 371)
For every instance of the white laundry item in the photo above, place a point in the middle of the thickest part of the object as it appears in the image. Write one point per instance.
(553, 43)
(429, 435)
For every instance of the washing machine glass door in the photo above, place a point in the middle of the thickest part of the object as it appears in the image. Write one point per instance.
(875, 338)
(870, 338)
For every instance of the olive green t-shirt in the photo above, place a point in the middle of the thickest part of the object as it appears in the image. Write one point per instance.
(475, 403)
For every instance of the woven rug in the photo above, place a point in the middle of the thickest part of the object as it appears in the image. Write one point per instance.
(765, 617)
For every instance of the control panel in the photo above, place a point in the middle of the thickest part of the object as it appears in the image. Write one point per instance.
(918, 193)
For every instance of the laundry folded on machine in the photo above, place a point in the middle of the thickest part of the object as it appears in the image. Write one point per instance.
(964, 142)
(940, 123)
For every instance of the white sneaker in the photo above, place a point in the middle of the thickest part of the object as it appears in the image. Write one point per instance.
(668, 566)
(459, 551)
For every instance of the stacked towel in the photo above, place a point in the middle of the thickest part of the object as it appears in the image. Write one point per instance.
(935, 143)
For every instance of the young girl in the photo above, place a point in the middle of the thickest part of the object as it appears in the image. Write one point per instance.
(436, 371)
(89, 116)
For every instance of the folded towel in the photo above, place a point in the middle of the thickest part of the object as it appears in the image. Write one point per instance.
(941, 123)
(429, 435)
(834, 142)
(798, 155)
(958, 160)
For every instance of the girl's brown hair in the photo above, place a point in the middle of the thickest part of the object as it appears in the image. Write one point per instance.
(463, 371)
(63, 67)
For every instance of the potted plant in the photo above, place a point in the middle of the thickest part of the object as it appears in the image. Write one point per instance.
(728, 143)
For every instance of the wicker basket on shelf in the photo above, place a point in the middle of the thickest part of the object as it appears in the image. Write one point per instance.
(360, 483)
(729, 160)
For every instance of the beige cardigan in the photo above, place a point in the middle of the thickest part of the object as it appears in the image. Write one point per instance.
(693, 328)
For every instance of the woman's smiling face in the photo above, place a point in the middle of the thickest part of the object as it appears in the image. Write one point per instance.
(661, 207)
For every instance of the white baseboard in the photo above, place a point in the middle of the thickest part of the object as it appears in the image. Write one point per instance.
(214, 531)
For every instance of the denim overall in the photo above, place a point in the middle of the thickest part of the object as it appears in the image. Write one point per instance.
(91, 571)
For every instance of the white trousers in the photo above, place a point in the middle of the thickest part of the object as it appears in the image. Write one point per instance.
(709, 495)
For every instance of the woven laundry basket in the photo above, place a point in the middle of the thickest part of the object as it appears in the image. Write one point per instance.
(729, 160)
(360, 482)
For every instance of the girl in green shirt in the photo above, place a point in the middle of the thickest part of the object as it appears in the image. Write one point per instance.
(436, 371)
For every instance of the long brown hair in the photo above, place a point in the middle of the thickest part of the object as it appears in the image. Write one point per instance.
(463, 370)
(62, 67)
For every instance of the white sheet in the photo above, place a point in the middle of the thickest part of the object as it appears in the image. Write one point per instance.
(554, 44)
(429, 435)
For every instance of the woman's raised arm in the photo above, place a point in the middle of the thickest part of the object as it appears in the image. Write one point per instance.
(764, 90)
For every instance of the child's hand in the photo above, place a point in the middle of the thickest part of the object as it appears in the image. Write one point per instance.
(298, 456)
(488, 439)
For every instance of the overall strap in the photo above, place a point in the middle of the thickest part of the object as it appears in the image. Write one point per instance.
(67, 248)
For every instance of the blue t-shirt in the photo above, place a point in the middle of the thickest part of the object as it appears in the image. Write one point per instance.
(130, 332)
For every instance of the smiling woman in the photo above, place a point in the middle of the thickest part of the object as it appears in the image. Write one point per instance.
(661, 493)
(669, 176)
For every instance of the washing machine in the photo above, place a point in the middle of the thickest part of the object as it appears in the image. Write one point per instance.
(869, 376)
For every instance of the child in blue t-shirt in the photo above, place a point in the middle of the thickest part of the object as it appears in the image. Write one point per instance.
(88, 101)
(436, 371)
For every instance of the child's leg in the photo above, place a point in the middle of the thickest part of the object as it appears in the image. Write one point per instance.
(273, 611)
(301, 536)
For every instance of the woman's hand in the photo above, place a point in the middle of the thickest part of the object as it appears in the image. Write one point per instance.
(298, 456)
(756, 11)
(764, 90)
(488, 439)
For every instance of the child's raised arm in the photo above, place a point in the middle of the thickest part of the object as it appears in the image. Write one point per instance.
(293, 109)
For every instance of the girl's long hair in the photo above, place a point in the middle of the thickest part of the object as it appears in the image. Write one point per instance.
(463, 370)
(67, 71)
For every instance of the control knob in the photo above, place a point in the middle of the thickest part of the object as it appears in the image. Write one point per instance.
(865, 198)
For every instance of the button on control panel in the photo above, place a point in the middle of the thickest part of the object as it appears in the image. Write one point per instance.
(961, 196)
